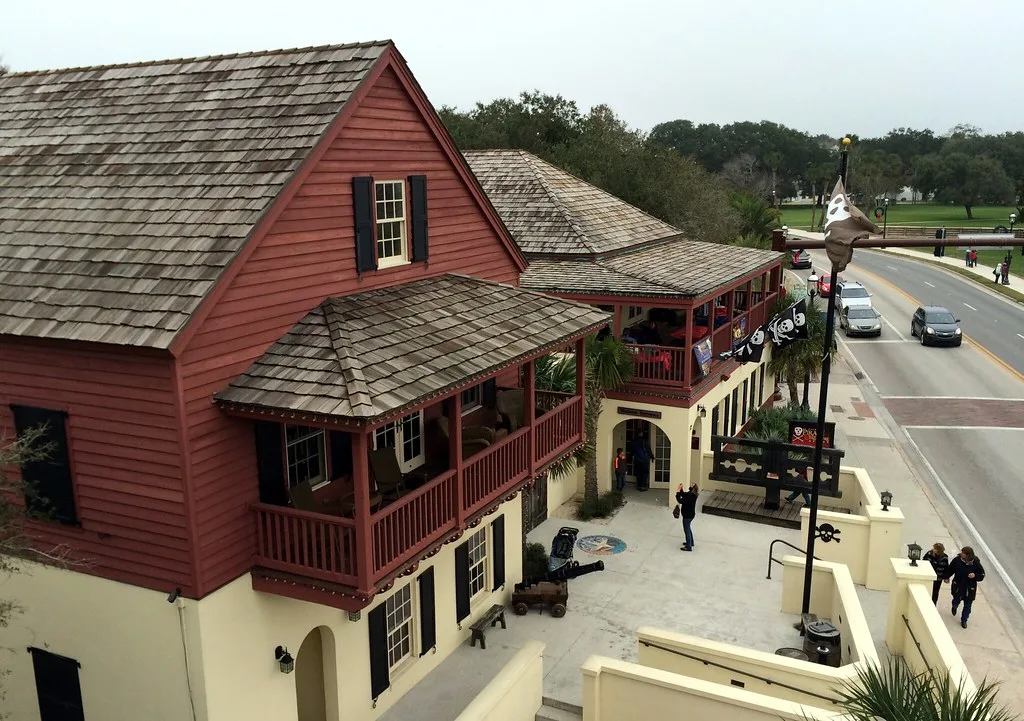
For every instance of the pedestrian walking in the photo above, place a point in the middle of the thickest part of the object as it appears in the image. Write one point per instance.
(940, 564)
(802, 491)
(997, 272)
(642, 457)
(1004, 270)
(974, 258)
(687, 501)
(620, 470)
(966, 573)
(967, 258)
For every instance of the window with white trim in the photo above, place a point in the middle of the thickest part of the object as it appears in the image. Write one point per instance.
(478, 563)
(391, 227)
(406, 437)
(471, 398)
(306, 455)
(400, 626)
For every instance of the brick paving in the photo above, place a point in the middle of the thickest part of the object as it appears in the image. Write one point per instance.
(956, 412)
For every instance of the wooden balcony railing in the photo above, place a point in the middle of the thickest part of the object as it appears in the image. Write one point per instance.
(312, 544)
(559, 429)
(489, 473)
(415, 520)
(658, 364)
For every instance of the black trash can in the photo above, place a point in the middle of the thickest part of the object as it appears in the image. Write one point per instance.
(822, 643)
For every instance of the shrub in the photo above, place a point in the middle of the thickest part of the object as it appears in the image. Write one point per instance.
(605, 506)
(772, 423)
(535, 560)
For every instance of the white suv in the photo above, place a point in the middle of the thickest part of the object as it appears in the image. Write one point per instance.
(852, 295)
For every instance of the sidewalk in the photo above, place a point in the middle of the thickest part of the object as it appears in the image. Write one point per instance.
(956, 260)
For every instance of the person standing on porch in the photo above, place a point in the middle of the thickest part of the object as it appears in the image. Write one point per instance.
(642, 457)
(940, 563)
(687, 501)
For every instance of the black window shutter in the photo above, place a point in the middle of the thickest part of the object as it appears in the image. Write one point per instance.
(418, 210)
(462, 582)
(52, 493)
(714, 421)
(498, 554)
(341, 454)
(489, 393)
(380, 677)
(428, 624)
(362, 205)
(57, 686)
(270, 463)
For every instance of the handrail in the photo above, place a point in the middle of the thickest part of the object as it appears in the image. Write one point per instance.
(917, 643)
(306, 515)
(771, 549)
(768, 681)
(406, 498)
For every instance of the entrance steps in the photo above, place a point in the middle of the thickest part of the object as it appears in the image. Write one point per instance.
(554, 710)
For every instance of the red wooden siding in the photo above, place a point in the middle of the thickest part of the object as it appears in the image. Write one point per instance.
(124, 453)
(307, 255)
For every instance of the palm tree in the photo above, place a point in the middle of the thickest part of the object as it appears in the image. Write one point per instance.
(801, 357)
(609, 365)
(896, 693)
(757, 218)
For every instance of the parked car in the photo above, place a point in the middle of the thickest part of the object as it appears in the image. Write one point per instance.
(936, 325)
(861, 321)
(801, 259)
(825, 284)
(852, 295)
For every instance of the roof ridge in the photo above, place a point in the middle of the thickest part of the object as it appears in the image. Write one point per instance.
(351, 369)
(634, 276)
(559, 205)
(486, 281)
(200, 58)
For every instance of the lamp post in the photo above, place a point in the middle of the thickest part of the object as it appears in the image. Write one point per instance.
(819, 436)
(1013, 221)
(812, 292)
(885, 216)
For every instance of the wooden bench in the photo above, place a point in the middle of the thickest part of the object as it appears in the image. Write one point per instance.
(495, 614)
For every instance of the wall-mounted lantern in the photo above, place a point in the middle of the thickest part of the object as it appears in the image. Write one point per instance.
(284, 659)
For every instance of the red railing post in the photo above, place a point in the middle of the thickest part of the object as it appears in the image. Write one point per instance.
(530, 412)
(364, 527)
(581, 382)
(688, 350)
(455, 456)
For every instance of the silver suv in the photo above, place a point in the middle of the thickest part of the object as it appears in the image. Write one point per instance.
(852, 295)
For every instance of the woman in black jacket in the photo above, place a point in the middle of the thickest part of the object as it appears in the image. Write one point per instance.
(940, 562)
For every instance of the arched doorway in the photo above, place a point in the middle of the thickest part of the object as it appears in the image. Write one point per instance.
(627, 431)
(316, 687)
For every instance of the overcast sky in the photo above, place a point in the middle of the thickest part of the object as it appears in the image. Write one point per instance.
(807, 64)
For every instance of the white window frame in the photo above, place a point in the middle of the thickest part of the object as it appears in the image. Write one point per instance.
(301, 444)
(478, 565)
(400, 615)
(475, 396)
(396, 429)
(390, 214)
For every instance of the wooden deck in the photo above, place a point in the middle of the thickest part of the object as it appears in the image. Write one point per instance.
(751, 508)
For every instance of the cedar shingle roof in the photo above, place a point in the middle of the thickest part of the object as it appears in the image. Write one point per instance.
(548, 210)
(126, 190)
(374, 353)
(687, 268)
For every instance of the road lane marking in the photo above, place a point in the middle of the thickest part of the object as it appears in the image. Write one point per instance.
(879, 340)
(1010, 369)
(898, 334)
(971, 307)
(931, 284)
(971, 528)
(891, 268)
(953, 398)
(1020, 336)
(965, 428)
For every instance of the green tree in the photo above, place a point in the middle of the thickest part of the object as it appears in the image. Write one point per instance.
(609, 364)
(963, 179)
(757, 218)
(801, 357)
(874, 175)
(896, 693)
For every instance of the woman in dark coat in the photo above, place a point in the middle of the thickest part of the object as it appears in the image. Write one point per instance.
(940, 562)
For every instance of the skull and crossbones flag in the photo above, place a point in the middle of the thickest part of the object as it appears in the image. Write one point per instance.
(750, 348)
(788, 326)
(844, 224)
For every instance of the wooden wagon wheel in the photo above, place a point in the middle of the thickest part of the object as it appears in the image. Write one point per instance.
(558, 610)
(521, 608)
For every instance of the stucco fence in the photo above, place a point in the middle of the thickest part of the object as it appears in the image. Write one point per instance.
(515, 693)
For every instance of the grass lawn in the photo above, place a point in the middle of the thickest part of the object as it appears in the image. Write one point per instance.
(953, 216)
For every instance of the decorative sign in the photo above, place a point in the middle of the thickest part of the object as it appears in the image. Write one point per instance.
(739, 332)
(827, 533)
(702, 353)
(601, 545)
(639, 412)
(804, 433)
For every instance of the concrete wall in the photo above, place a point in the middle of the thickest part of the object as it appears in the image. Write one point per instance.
(937, 649)
(833, 597)
(128, 642)
(562, 489)
(516, 693)
(615, 690)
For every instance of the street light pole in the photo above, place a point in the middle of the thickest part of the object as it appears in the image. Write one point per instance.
(826, 368)
(812, 292)
(885, 217)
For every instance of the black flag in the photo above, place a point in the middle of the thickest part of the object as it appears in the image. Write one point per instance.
(750, 348)
(788, 326)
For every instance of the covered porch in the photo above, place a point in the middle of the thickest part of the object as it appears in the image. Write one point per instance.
(381, 437)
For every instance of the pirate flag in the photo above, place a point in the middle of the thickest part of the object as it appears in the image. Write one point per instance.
(844, 224)
(749, 350)
(788, 326)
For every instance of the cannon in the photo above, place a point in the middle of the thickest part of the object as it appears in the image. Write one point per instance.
(551, 589)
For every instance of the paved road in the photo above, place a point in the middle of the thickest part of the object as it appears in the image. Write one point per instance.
(960, 408)
(994, 322)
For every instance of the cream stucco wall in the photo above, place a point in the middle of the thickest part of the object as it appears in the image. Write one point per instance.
(516, 693)
(129, 644)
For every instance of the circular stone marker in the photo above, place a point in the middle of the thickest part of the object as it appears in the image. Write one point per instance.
(601, 545)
